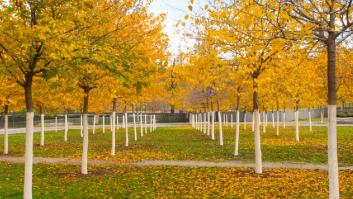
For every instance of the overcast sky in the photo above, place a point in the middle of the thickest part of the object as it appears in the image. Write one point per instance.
(175, 11)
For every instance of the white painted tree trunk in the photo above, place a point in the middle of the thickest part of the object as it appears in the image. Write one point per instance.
(296, 126)
(277, 120)
(245, 122)
(258, 154)
(220, 129)
(212, 129)
(65, 128)
(208, 124)
(310, 123)
(273, 120)
(56, 124)
(141, 125)
(322, 116)
(81, 126)
(42, 130)
(237, 125)
(6, 134)
(27, 194)
(84, 162)
(117, 122)
(231, 120)
(266, 119)
(284, 119)
(111, 122)
(155, 122)
(332, 153)
(151, 123)
(264, 123)
(113, 133)
(135, 128)
(103, 123)
(253, 122)
(126, 130)
(94, 124)
(145, 125)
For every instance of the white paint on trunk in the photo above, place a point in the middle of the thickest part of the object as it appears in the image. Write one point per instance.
(84, 162)
(113, 133)
(284, 119)
(135, 128)
(277, 121)
(220, 129)
(236, 150)
(310, 124)
(145, 125)
(56, 124)
(213, 121)
(258, 154)
(141, 125)
(27, 193)
(65, 127)
(103, 123)
(332, 153)
(42, 130)
(296, 126)
(322, 116)
(245, 123)
(151, 123)
(208, 124)
(94, 124)
(273, 120)
(253, 122)
(81, 126)
(126, 130)
(6, 135)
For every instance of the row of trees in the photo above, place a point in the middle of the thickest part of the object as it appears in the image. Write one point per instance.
(65, 55)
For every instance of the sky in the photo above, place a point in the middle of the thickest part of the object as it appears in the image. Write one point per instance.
(175, 11)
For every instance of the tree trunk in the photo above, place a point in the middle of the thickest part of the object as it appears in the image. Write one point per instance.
(42, 130)
(284, 119)
(213, 124)
(56, 124)
(245, 122)
(94, 124)
(103, 123)
(310, 123)
(113, 126)
(27, 193)
(332, 129)
(145, 125)
(126, 130)
(6, 127)
(258, 154)
(81, 126)
(84, 163)
(237, 125)
(297, 123)
(208, 124)
(277, 121)
(65, 127)
(220, 128)
(141, 124)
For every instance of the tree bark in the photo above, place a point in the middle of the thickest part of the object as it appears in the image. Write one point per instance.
(6, 127)
(258, 153)
(126, 129)
(84, 169)
(332, 129)
(27, 193)
(237, 126)
(113, 126)
(297, 122)
(42, 130)
(65, 127)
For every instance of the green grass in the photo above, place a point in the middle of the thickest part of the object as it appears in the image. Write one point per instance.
(185, 143)
(51, 181)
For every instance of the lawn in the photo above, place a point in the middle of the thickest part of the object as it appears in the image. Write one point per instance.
(185, 143)
(51, 181)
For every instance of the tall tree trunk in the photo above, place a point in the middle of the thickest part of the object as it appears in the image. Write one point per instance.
(126, 129)
(66, 127)
(245, 122)
(310, 123)
(113, 126)
(84, 163)
(332, 129)
(236, 149)
(42, 130)
(6, 127)
(297, 122)
(208, 123)
(27, 193)
(213, 125)
(103, 123)
(134, 121)
(258, 153)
